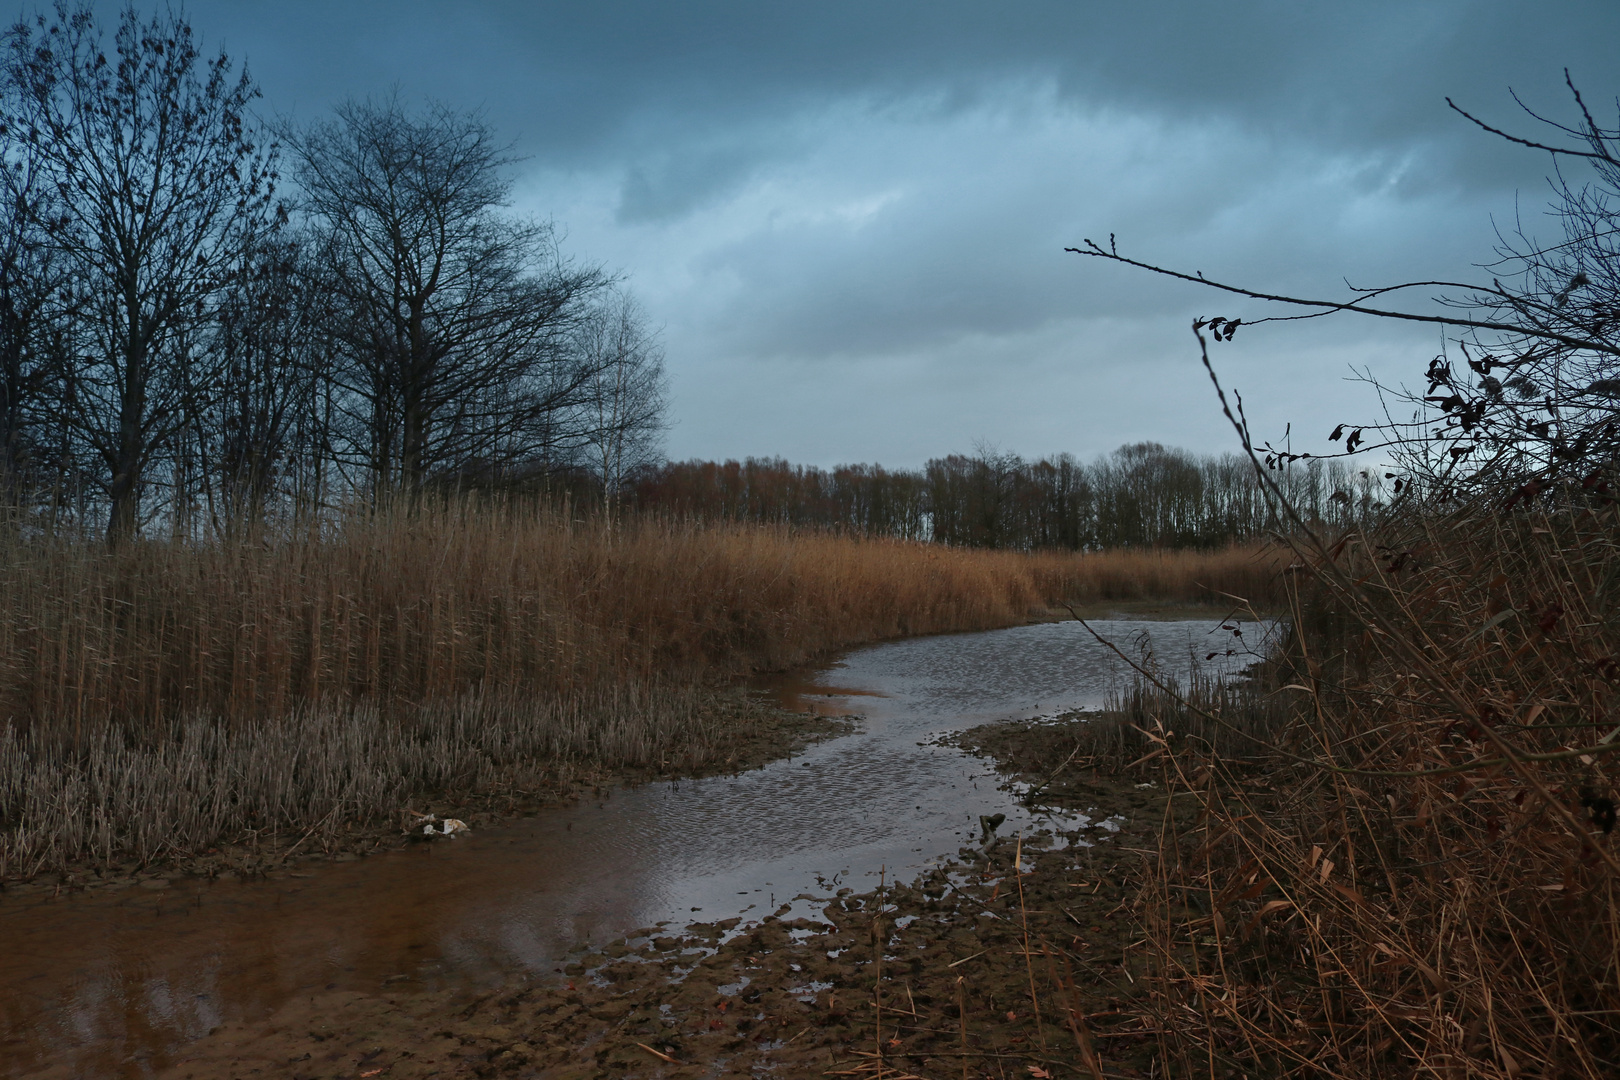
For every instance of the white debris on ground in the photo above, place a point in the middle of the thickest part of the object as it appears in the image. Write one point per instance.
(447, 826)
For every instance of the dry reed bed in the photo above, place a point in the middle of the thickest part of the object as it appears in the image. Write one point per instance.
(319, 769)
(1234, 719)
(1421, 879)
(431, 606)
(159, 697)
(1245, 575)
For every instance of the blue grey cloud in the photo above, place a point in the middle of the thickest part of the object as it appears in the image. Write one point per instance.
(849, 217)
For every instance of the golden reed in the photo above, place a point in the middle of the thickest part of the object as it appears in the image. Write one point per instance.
(433, 605)
(163, 695)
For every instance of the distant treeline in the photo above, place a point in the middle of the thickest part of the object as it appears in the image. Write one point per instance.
(1141, 495)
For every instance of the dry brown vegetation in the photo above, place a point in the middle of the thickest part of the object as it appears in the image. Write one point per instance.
(1419, 878)
(161, 695)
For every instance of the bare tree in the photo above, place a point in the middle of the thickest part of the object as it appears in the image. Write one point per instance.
(453, 318)
(160, 180)
(31, 287)
(251, 419)
(625, 392)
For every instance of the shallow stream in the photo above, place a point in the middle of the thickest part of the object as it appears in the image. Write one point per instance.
(113, 983)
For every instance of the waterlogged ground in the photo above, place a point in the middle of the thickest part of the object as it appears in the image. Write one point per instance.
(970, 969)
(472, 956)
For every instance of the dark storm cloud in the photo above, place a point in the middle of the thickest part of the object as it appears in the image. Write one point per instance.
(574, 78)
(857, 209)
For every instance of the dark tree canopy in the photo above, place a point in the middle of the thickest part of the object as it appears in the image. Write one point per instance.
(452, 321)
(148, 179)
(185, 344)
(1141, 495)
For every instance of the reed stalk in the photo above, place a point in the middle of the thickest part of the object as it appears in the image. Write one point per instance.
(164, 696)
(1415, 875)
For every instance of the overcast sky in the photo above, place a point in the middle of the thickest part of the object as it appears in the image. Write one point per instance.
(849, 218)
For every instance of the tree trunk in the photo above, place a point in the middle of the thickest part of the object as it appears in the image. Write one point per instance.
(126, 480)
(129, 454)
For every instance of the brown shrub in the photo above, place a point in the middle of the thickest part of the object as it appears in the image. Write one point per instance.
(1421, 880)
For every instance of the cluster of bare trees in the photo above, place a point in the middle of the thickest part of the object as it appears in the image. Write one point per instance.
(189, 336)
(1142, 495)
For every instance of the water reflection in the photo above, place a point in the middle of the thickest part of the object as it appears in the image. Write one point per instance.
(114, 983)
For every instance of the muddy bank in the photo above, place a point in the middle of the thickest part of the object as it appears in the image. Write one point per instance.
(748, 733)
(971, 969)
(131, 981)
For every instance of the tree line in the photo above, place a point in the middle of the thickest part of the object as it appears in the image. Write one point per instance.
(208, 319)
(1141, 495)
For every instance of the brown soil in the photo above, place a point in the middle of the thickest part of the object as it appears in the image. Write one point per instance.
(985, 973)
(750, 734)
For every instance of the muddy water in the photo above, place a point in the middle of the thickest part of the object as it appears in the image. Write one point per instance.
(114, 983)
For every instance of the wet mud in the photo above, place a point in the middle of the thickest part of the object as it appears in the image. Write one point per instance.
(484, 955)
(972, 969)
(751, 733)
(110, 972)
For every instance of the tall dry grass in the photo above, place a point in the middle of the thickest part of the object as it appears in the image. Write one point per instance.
(319, 769)
(1421, 878)
(429, 606)
(1244, 574)
(320, 678)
